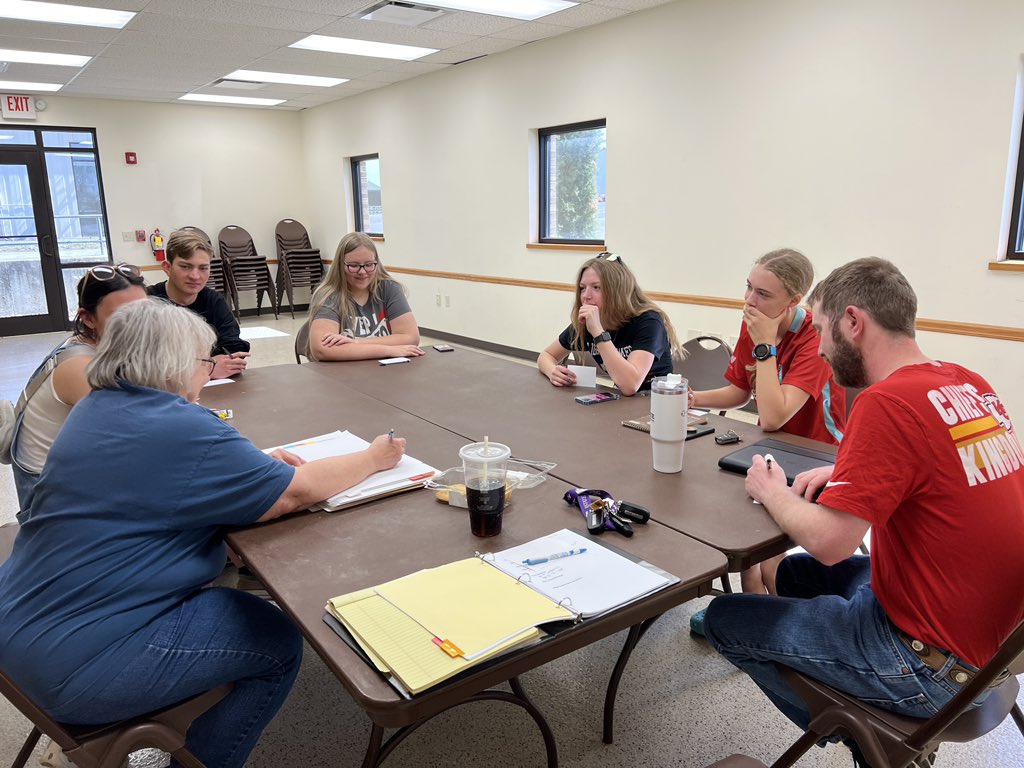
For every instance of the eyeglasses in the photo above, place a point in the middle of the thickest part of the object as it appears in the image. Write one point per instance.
(369, 268)
(107, 271)
(213, 363)
(609, 256)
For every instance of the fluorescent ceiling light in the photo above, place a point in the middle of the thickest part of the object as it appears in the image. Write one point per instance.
(282, 77)
(528, 10)
(252, 101)
(58, 13)
(16, 85)
(38, 57)
(362, 47)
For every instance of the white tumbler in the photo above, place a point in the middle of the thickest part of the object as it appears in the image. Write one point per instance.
(668, 422)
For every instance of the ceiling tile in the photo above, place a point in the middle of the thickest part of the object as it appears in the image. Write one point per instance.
(236, 12)
(530, 31)
(28, 30)
(174, 28)
(324, 7)
(232, 48)
(630, 5)
(471, 23)
(51, 46)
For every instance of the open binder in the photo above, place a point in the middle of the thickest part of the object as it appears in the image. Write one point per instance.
(409, 473)
(431, 625)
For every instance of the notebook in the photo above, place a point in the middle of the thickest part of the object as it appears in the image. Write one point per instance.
(409, 473)
(696, 427)
(794, 459)
(431, 625)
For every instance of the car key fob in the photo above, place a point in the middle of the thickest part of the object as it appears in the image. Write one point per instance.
(633, 512)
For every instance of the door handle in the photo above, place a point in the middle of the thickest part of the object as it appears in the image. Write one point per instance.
(46, 245)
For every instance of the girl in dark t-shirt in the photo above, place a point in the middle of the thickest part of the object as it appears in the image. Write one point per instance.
(630, 337)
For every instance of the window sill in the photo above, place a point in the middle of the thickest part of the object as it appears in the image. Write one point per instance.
(566, 247)
(1010, 265)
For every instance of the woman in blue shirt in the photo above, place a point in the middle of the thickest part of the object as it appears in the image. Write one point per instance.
(128, 518)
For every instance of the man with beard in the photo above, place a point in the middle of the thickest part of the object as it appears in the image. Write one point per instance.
(931, 463)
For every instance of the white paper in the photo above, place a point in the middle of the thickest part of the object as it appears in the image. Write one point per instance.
(343, 443)
(590, 583)
(586, 376)
(259, 332)
(217, 382)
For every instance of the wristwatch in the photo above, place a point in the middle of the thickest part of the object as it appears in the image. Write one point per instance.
(764, 351)
(603, 336)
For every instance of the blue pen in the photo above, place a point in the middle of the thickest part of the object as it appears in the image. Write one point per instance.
(556, 556)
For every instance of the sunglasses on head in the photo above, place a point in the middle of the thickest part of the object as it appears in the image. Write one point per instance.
(609, 256)
(107, 271)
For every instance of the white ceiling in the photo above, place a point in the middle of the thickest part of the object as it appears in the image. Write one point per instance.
(174, 47)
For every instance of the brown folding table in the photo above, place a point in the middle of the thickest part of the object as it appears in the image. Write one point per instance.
(305, 559)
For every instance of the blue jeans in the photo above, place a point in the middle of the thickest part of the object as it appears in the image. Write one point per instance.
(214, 637)
(827, 624)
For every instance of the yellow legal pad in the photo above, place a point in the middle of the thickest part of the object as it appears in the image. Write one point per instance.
(472, 604)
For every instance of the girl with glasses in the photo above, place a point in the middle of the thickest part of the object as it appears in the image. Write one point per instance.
(359, 312)
(61, 381)
(629, 335)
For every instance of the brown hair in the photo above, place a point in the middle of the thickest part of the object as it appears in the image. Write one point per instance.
(793, 269)
(622, 299)
(875, 286)
(183, 243)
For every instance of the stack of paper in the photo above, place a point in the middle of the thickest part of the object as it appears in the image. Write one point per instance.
(408, 473)
(594, 582)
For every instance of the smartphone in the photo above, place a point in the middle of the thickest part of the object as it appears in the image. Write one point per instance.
(222, 413)
(444, 348)
(597, 397)
(393, 360)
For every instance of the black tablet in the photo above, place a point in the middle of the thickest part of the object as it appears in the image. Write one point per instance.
(794, 459)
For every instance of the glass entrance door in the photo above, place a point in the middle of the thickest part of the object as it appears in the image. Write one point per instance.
(31, 295)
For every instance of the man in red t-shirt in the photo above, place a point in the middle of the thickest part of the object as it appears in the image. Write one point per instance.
(930, 459)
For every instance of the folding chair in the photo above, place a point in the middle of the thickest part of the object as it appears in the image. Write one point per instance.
(249, 270)
(298, 262)
(107, 746)
(703, 363)
(888, 740)
(220, 277)
(302, 342)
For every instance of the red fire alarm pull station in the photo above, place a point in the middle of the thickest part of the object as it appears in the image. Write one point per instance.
(130, 158)
(140, 235)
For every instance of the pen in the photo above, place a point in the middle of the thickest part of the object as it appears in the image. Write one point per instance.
(391, 435)
(556, 556)
(768, 459)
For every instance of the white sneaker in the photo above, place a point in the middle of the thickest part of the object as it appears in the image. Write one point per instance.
(54, 757)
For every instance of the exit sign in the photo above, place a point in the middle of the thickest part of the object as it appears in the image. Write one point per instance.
(13, 105)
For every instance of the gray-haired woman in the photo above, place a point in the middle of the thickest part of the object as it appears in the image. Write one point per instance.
(128, 515)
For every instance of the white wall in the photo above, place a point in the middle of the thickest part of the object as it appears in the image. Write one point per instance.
(843, 129)
(201, 166)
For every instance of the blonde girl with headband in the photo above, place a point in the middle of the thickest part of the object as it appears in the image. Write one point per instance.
(359, 312)
(629, 336)
(776, 363)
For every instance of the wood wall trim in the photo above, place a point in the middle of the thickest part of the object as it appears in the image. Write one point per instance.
(1002, 332)
(1006, 266)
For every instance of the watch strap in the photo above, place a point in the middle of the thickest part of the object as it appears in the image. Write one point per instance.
(603, 336)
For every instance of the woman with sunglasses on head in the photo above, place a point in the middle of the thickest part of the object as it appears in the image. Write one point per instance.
(629, 336)
(105, 612)
(359, 312)
(61, 381)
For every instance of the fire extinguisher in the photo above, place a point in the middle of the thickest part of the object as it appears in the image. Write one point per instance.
(156, 242)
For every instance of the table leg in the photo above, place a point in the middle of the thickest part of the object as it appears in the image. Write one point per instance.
(377, 753)
(635, 633)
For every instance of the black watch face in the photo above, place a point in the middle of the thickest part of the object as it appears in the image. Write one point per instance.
(762, 352)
